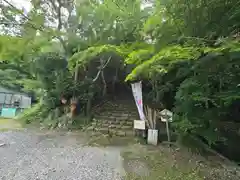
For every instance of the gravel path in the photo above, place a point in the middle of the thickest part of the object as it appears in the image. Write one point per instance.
(39, 156)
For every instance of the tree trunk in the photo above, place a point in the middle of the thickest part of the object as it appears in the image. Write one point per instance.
(104, 84)
(114, 81)
(103, 80)
(76, 74)
(89, 107)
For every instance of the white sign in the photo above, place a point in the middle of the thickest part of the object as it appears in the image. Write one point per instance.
(166, 119)
(137, 93)
(166, 115)
(139, 124)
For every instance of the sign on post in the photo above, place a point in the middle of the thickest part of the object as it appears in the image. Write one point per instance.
(166, 116)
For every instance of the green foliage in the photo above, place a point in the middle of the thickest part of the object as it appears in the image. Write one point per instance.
(163, 61)
(35, 114)
(204, 99)
(82, 58)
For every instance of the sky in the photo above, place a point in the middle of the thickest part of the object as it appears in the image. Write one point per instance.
(21, 4)
(27, 5)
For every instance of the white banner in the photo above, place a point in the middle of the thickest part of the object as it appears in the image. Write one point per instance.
(137, 93)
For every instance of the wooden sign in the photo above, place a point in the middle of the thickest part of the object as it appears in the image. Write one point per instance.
(139, 124)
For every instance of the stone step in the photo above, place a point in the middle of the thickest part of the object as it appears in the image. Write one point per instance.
(114, 122)
(90, 128)
(102, 130)
(126, 127)
(107, 122)
(119, 106)
(115, 115)
(118, 119)
(104, 117)
(116, 132)
(114, 126)
(121, 132)
(117, 109)
(130, 123)
(124, 124)
(96, 122)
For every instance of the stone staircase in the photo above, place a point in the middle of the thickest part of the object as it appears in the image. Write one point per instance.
(115, 118)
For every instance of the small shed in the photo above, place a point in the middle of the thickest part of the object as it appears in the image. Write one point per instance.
(14, 99)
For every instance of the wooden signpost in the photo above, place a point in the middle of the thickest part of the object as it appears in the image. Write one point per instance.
(166, 116)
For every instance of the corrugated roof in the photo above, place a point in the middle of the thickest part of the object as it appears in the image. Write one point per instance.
(6, 90)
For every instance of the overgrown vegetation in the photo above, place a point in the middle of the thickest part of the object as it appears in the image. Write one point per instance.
(186, 53)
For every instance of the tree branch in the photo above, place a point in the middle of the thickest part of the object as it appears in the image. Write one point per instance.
(101, 69)
(26, 17)
(60, 23)
(34, 26)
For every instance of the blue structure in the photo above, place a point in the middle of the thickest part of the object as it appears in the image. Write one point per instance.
(8, 112)
(11, 102)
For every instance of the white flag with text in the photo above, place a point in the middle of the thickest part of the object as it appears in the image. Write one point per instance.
(137, 93)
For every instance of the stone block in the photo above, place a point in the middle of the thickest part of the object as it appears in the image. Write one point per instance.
(129, 123)
(118, 126)
(102, 130)
(90, 128)
(130, 133)
(126, 127)
(120, 133)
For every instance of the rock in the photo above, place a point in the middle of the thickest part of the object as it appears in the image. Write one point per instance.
(91, 128)
(94, 123)
(122, 123)
(41, 128)
(2, 144)
(130, 123)
(103, 129)
(118, 126)
(105, 125)
(112, 131)
(59, 125)
(122, 118)
(126, 127)
(130, 133)
(120, 133)
(112, 126)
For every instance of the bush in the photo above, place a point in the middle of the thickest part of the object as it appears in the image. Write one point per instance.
(204, 99)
